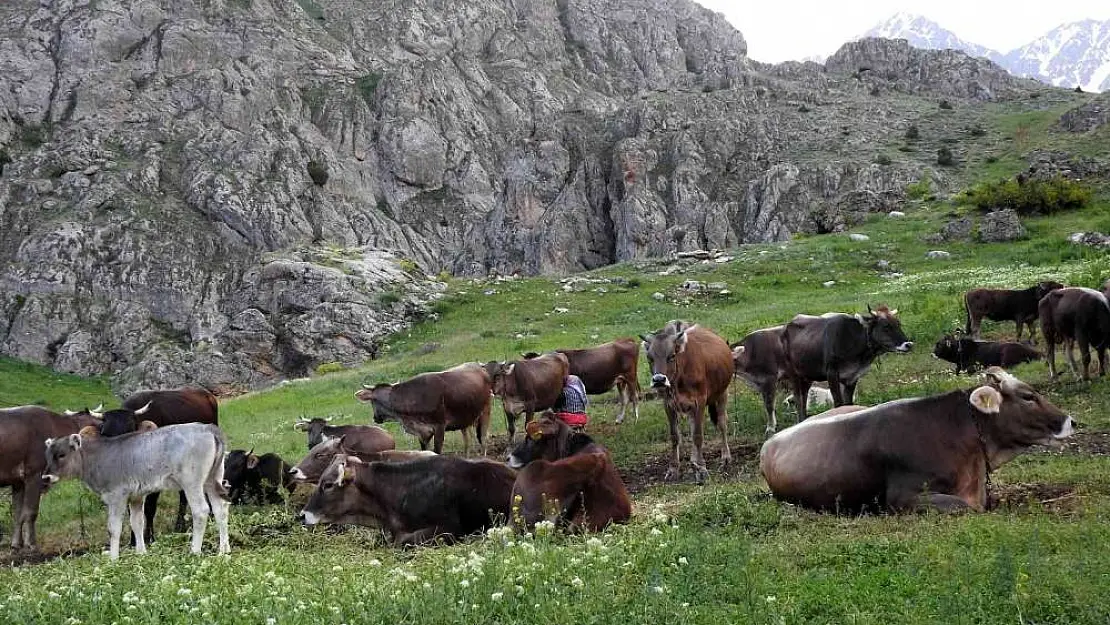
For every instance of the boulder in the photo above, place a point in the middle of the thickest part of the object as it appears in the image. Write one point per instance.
(1001, 225)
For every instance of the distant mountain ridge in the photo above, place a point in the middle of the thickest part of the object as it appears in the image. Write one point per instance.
(1073, 54)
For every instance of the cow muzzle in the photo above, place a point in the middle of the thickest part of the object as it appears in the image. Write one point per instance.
(904, 347)
(1066, 430)
(660, 381)
(298, 475)
(48, 480)
(308, 518)
(514, 462)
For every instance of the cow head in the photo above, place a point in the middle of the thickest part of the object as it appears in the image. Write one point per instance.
(237, 465)
(312, 466)
(948, 348)
(663, 349)
(544, 439)
(739, 361)
(122, 421)
(374, 395)
(1046, 287)
(86, 417)
(315, 428)
(64, 456)
(499, 375)
(1017, 416)
(336, 500)
(884, 330)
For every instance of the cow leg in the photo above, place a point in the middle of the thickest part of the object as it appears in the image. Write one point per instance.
(418, 537)
(850, 392)
(182, 506)
(622, 392)
(481, 429)
(1101, 360)
(510, 426)
(150, 508)
(975, 323)
(220, 508)
(942, 503)
(1020, 323)
(138, 520)
(198, 507)
(718, 410)
(1069, 346)
(438, 434)
(836, 387)
(29, 511)
(801, 397)
(768, 393)
(1084, 353)
(116, 506)
(675, 470)
(465, 433)
(697, 423)
(1050, 355)
(17, 515)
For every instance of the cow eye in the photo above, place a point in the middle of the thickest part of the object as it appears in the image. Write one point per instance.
(327, 485)
(670, 358)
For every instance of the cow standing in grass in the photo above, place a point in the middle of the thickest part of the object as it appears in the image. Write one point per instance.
(1076, 316)
(691, 367)
(1019, 306)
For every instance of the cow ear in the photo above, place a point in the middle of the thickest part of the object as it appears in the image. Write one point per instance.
(89, 431)
(509, 369)
(646, 338)
(147, 426)
(986, 399)
(680, 340)
(894, 312)
(998, 378)
(301, 425)
(75, 441)
(252, 461)
(737, 351)
(48, 442)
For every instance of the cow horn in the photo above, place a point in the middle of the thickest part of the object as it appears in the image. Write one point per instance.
(69, 413)
(328, 419)
(368, 387)
(97, 412)
(142, 411)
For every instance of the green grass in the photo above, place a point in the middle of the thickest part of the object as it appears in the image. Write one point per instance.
(725, 552)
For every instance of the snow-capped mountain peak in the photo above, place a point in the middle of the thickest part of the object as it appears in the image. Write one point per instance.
(922, 32)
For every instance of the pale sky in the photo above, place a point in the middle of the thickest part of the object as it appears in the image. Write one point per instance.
(781, 30)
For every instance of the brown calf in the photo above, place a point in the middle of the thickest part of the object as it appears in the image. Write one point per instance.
(605, 366)
(1006, 305)
(528, 386)
(1076, 315)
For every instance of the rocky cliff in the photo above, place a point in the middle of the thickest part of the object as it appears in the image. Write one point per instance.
(224, 190)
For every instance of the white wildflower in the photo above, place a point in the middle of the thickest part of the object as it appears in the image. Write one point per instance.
(375, 562)
(657, 590)
(270, 575)
(497, 596)
(770, 598)
(53, 595)
(576, 582)
(683, 561)
(685, 604)
(545, 528)
(426, 585)
(271, 620)
(465, 583)
(337, 568)
(167, 579)
(184, 592)
(656, 532)
(594, 543)
(411, 577)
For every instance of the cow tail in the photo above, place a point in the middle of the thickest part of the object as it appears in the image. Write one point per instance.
(967, 317)
(216, 472)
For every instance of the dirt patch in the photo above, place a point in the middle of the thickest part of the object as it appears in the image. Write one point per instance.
(19, 558)
(651, 470)
(1052, 496)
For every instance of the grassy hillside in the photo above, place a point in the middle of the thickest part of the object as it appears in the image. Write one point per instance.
(725, 552)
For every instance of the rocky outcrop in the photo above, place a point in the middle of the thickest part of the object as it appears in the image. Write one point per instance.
(157, 156)
(896, 64)
(1089, 116)
(1001, 225)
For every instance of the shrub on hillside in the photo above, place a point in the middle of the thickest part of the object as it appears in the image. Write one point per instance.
(912, 133)
(945, 158)
(921, 189)
(1029, 196)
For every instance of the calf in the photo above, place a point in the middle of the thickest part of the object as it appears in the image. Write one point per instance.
(256, 479)
(312, 466)
(417, 501)
(122, 469)
(172, 407)
(818, 396)
(528, 386)
(431, 404)
(361, 438)
(605, 366)
(758, 359)
(969, 354)
(838, 349)
(23, 432)
(1076, 315)
(691, 367)
(1006, 305)
(569, 473)
(913, 453)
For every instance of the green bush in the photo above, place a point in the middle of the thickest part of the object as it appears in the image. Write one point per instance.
(945, 158)
(329, 367)
(1029, 196)
(318, 171)
(388, 298)
(921, 189)
(883, 159)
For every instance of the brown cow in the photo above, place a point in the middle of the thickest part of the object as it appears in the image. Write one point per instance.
(172, 407)
(1076, 315)
(360, 439)
(1006, 305)
(312, 466)
(433, 403)
(528, 386)
(23, 434)
(566, 472)
(417, 501)
(1106, 289)
(691, 367)
(913, 453)
(601, 368)
(759, 360)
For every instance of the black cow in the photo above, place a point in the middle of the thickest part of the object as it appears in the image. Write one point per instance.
(1076, 316)
(969, 354)
(838, 349)
(256, 479)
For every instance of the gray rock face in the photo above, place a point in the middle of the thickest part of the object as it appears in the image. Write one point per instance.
(895, 64)
(954, 230)
(166, 160)
(1001, 225)
(1087, 117)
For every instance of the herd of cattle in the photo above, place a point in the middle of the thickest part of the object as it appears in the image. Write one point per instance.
(936, 451)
